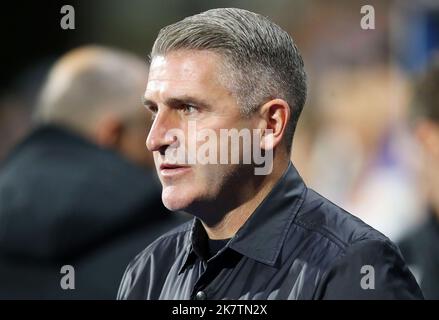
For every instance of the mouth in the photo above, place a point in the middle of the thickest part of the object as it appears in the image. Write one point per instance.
(171, 170)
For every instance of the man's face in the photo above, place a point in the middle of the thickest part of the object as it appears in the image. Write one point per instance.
(184, 87)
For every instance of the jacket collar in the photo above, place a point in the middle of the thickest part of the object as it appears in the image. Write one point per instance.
(262, 236)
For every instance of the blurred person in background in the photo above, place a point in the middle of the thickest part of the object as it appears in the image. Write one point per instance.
(79, 190)
(363, 138)
(421, 247)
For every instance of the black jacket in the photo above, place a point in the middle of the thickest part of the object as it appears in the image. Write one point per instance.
(296, 245)
(64, 201)
(421, 250)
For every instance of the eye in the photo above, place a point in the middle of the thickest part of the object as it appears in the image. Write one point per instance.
(153, 109)
(188, 109)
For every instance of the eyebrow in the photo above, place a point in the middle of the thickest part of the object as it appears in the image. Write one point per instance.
(176, 101)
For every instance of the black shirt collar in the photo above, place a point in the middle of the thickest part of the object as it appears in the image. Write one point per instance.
(262, 236)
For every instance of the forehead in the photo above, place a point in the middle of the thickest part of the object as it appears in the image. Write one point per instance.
(184, 71)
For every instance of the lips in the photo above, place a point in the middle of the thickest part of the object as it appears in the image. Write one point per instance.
(168, 170)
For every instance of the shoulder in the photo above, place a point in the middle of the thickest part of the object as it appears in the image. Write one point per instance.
(334, 224)
(369, 269)
(362, 254)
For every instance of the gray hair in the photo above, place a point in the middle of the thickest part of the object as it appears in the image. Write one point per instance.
(262, 59)
(88, 82)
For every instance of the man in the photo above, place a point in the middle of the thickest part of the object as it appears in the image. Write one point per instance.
(254, 236)
(420, 247)
(74, 191)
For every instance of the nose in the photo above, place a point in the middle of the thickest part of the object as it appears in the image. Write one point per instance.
(159, 138)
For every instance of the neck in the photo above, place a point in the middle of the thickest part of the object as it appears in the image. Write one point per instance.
(253, 194)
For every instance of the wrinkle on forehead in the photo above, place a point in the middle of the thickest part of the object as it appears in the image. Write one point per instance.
(184, 72)
(186, 64)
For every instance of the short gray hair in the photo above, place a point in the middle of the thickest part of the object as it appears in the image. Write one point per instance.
(88, 82)
(261, 57)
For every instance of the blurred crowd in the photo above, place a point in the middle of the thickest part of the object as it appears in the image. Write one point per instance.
(368, 140)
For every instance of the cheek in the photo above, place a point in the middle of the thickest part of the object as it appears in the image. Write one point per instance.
(212, 177)
(204, 181)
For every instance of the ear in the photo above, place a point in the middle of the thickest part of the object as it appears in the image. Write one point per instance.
(274, 116)
(108, 131)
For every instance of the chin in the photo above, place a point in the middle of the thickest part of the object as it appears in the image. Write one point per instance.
(175, 200)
